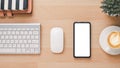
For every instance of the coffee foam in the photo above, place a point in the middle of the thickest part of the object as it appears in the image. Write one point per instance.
(114, 39)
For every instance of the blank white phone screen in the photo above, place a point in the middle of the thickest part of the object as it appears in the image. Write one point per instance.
(82, 40)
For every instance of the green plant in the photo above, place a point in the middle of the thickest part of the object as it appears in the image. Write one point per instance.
(111, 7)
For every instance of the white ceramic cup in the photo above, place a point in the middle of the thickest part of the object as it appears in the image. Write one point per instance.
(104, 40)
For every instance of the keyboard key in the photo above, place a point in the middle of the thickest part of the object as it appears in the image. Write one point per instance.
(36, 37)
(21, 4)
(17, 32)
(23, 50)
(26, 32)
(9, 45)
(10, 37)
(27, 50)
(4, 32)
(16, 41)
(32, 50)
(28, 37)
(10, 5)
(27, 29)
(30, 32)
(18, 29)
(1, 29)
(7, 41)
(13, 32)
(29, 41)
(14, 45)
(1, 45)
(19, 50)
(22, 45)
(2, 37)
(12, 41)
(5, 29)
(3, 41)
(18, 45)
(23, 29)
(27, 45)
(13, 4)
(25, 6)
(35, 32)
(5, 46)
(19, 37)
(23, 37)
(21, 32)
(20, 41)
(2, 4)
(14, 29)
(15, 37)
(6, 37)
(6, 4)
(25, 41)
(8, 32)
(34, 41)
(32, 29)
(32, 37)
(7, 50)
(36, 28)
(17, 4)
(34, 45)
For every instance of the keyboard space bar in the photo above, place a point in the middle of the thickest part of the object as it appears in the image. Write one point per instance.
(7, 51)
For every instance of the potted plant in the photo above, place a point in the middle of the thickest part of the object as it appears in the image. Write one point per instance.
(111, 7)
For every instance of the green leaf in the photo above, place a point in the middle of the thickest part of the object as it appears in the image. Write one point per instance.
(111, 7)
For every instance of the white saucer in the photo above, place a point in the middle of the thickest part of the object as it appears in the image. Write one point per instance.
(103, 40)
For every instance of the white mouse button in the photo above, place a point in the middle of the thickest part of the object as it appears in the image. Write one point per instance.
(56, 40)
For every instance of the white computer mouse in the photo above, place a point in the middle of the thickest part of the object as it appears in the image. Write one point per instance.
(56, 40)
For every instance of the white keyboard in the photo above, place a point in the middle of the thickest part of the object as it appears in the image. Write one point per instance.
(20, 38)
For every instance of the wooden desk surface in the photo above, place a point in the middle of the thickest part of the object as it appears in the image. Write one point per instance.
(52, 13)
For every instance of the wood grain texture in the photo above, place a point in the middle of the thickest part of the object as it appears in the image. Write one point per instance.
(52, 13)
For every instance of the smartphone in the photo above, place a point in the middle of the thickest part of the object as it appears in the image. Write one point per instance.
(82, 39)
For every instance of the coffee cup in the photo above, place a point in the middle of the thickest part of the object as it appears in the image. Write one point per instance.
(110, 40)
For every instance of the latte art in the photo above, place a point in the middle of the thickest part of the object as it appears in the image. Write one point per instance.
(114, 39)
